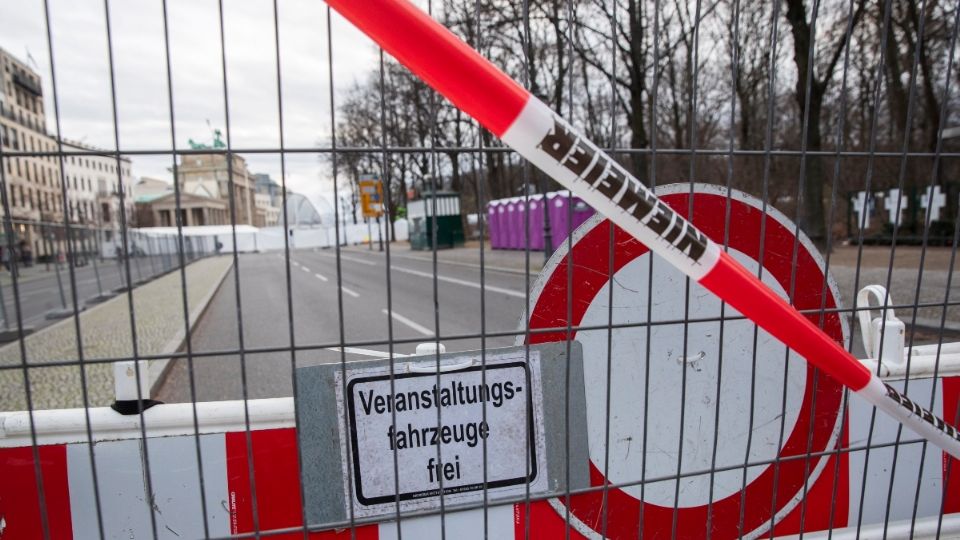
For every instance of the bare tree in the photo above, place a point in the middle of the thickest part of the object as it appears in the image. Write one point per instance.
(813, 80)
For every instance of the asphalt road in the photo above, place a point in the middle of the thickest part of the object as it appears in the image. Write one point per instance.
(317, 324)
(416, 318)
(39, 290)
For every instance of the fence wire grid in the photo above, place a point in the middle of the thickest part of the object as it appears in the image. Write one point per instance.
(156, 320)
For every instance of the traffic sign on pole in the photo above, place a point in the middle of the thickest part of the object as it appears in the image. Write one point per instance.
(371, 197)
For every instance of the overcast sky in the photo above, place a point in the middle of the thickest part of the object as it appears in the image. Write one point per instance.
(83, 77)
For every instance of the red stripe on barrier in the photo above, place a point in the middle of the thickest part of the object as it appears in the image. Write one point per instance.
(735, 285)
(19, 496)
(277, 479)
(440, 58)
(544, 523)
(951, 413)
(238, 484)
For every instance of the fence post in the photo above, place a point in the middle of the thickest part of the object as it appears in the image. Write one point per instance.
(149, 252)
(63, 312)
(3, 310)
(100, 296)
(136, 259)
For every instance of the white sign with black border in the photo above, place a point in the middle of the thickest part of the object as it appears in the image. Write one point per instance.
(438, 429)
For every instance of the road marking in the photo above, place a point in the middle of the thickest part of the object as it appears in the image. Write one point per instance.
(367, 352)
(321, 278)
(305, 269)
(354, 294)
(295, 263)
(349, 258)
(486, 267)
(400, 318)
(465, 283)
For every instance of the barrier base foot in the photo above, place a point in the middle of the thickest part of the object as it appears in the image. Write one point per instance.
(62, 313)
(99, 298)
(6, 336)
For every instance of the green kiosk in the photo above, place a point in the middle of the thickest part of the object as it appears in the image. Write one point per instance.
(448, 221)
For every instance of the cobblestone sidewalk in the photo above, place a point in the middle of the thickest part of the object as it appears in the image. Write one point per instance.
(105, 333)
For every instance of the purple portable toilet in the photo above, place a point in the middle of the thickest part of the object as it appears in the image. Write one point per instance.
(581, 212)
(535, 223)
(502, 224)
(560, 210)
(493, 226)
(559, 225)
(515, 220)
(506, 221)
(521, 223)
(496, 223)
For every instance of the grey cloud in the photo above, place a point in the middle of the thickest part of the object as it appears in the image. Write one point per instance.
(82, 69)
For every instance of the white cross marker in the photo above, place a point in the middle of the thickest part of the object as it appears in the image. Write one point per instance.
(861, 205)
(890, 205)
(939, 201)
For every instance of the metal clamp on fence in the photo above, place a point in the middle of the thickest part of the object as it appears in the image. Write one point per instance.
(884, 341)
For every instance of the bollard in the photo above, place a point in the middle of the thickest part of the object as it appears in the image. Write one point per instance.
(126, 375)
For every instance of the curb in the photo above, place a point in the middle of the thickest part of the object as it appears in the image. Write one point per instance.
(157, 370)
(85, 309)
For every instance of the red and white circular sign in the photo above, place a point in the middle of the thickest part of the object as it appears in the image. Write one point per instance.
(674, 389)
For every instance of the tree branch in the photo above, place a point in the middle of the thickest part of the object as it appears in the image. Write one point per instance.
(842, 44)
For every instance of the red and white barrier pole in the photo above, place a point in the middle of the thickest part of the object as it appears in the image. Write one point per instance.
(531, 128)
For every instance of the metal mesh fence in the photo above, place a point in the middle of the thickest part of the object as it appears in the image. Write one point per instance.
(182, 364)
